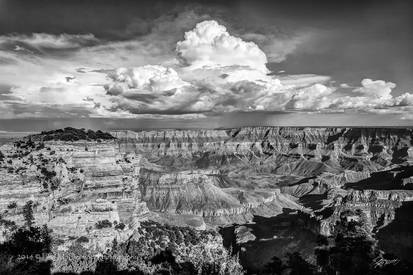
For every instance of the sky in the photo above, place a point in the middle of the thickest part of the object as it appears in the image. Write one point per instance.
(211, 64)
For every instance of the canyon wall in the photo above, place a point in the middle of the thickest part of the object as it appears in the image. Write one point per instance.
(202, 178)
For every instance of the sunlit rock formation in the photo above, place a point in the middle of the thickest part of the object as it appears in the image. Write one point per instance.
(202, 178)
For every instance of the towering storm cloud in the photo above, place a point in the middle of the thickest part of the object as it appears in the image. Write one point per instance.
(217, 72)
(209, 44)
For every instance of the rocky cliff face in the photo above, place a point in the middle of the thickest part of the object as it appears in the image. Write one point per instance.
(202, 178)
(378, 207)
(259, 161)
(314, 142)
(73, 185)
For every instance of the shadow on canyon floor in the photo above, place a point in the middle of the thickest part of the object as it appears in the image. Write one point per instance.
(275, 237)
(397, 237)
(385, 180)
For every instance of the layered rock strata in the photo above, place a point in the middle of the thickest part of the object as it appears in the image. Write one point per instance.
(201, 178)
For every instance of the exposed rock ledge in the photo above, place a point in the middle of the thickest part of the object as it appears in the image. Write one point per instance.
(244, 234)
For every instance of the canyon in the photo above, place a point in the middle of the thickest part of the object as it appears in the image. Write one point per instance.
(205, 179)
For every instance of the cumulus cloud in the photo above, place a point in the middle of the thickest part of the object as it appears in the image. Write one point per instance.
(149, 89)
(157, 89)
(217, 73)
(315, 97)
(39, 65)
(209, 44)
(278, 47)
(210, 71)
(210, 90)
(405, 99)
(375, 88)
(372, 95)
(150, 78)
(220, 73)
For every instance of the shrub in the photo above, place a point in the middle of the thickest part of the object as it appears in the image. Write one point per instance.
(31, 241)
(73, 134)
(40, 146)
(26, 245)
(12, 205)
(103, 224)
(7, 223)
(82, 239)
(28, 213)
(66, 209)
(120, 226)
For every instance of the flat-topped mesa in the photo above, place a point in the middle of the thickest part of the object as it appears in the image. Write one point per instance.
(165, 136)
(311, 135)
(71, 134)
(201, 193)
(316, 143)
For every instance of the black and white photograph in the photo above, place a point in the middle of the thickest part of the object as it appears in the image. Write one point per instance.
(220, 137)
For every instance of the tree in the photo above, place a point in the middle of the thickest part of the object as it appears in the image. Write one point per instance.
(29, 246)
(298, 265)
(12, 205)
(274, 267)
(77, 259)
(322, 258)
(106, 266)
(46, 239)
(353, 251)
(103, 224)
(28, 213)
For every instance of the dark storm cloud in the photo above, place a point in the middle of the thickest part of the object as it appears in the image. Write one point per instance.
(7, 60)
(105, 17)
(351, 35)
(109, 19)
(42, 44)
(352, 40)
(5, 88)
(6, 93)
(55, 111)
